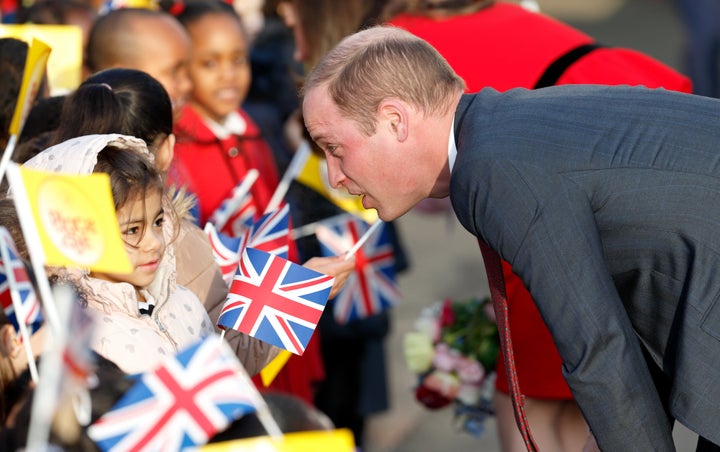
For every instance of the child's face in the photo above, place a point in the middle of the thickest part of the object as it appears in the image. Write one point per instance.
(141, 230)
(219, 66)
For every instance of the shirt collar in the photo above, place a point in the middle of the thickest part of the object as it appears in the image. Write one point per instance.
(452, 148)
(233, 124)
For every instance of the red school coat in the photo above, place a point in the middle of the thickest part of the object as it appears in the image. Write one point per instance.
(210, 167)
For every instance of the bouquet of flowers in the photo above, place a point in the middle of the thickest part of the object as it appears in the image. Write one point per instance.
(453, 351)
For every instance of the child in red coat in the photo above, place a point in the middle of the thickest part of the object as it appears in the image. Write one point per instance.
(217, 143)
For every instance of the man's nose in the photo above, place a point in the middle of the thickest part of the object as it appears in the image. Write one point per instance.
(335, 174)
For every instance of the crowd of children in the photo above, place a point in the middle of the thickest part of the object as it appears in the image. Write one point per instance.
(122, 121)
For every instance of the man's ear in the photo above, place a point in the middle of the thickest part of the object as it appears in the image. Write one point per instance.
(165, 153)
(396, 115)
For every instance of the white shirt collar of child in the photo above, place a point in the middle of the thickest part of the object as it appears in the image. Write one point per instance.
(234, 124)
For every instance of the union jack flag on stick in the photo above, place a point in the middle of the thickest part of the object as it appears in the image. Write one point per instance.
(371, 288)
(19, 301)
(275, 300)
(235, 214)
(226, 251)
(271, 233)
(181, 404)
(18, 298)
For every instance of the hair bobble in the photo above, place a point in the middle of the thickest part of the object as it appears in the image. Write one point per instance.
(176, 8)
(104, 85)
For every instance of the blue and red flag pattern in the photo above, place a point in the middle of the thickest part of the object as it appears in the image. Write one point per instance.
(275, 300)
(226, 251)
(183, 403)
(371, 288)
(79, 360)
(15, 268)
(236, 214)
(271, 233)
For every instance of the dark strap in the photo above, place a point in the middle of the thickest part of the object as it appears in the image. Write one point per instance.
(558, 67)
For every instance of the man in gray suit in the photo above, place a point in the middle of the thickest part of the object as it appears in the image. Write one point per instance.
(605, 200)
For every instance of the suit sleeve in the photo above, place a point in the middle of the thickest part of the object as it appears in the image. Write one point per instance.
(544, 226)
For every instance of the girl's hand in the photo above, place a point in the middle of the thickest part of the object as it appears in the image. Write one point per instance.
(336, 266)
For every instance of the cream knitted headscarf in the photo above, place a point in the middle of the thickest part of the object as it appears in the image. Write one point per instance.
(79, 155)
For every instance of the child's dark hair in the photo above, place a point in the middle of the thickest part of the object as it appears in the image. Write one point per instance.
(13, 53)
(132, 176)
(125, 101)
(193, 10)
(10, 221)
(40, 124)
(53, 11)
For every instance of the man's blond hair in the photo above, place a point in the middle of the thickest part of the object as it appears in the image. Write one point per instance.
(380, 63)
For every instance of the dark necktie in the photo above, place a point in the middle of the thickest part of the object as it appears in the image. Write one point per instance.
(493, 268)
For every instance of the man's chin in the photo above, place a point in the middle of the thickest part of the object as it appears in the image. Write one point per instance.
(390, 215)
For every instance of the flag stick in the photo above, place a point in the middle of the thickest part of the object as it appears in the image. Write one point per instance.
(238, 194)
(363, 239)
(46, 393)
(35, 66)
(20, 313)
(261, 407)
(296, 164)
(32, 240)
(308, 229)
(9, 149)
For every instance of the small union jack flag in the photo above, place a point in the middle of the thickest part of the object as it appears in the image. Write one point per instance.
(183, 403)
(226, 251)
(271, 233)
(14, 276)
(371, 288)
(275, 300)
(236, 214)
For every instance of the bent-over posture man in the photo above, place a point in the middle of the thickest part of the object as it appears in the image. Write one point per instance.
(605, 201)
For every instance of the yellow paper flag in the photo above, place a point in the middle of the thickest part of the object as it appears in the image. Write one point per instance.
(35, 65)
(269, 372)
(314, 175)
(146, 4)
(76, 221)
(340, 440)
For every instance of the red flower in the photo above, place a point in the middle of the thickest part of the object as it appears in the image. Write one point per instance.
(430, 398)
(447, 315)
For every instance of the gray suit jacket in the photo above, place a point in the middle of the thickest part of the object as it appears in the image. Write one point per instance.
(606, 201)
